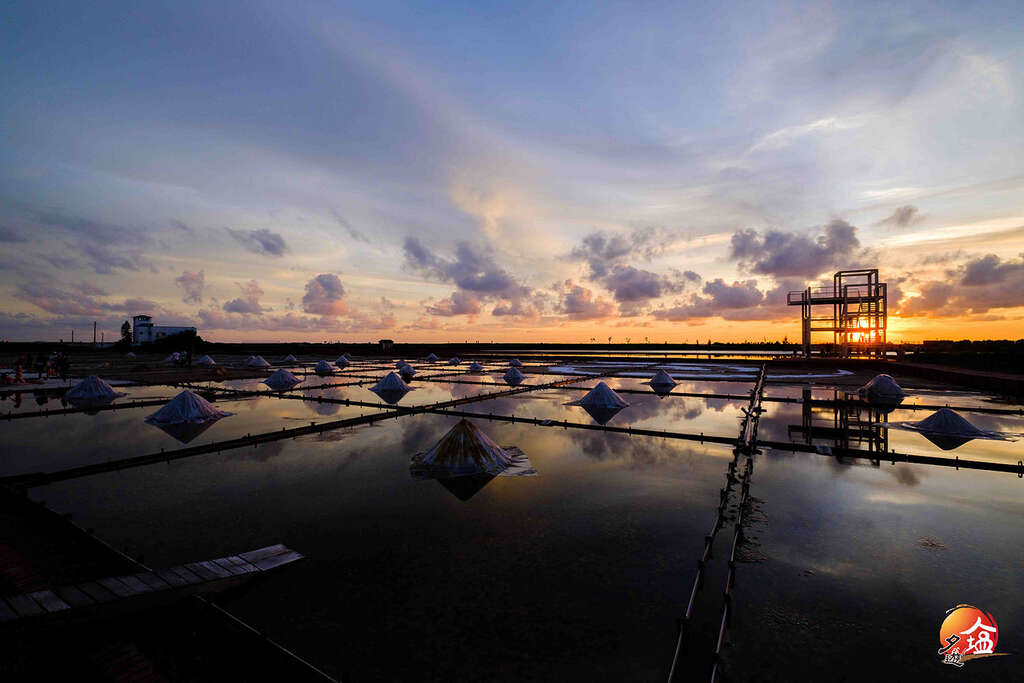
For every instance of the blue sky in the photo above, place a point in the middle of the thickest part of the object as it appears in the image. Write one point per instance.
(505, 171)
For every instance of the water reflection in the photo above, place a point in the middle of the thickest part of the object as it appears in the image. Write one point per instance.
(844, 424)
(328, 409)
(184, 431)
(465, 488)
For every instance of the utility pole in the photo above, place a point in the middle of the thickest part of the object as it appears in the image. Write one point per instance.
(94, 333)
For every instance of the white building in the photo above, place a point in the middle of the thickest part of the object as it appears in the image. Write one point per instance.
(145, 332)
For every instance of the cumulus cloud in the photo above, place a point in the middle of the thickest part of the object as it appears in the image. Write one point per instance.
(261, 241)
(601, 250)
(721, 299)
(935, 299)
(459, 303)
(192, 284)
(902, 217)
(478, 277)
(249, 302)
(607, 256)
(990, 270)
(325, 296)
(985, 283)
(580, 303)
(629, 284)
(527, 307)
(472, 268)
(788, 254)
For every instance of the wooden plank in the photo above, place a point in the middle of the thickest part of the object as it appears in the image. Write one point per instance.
(240, 563)
(49, 601)
(153, 581)
(97, 592)
(24, 605)
(201, 571)
(188, 577)
(253, 555)
(221, 572)
(172, 578)
(74, 596)
(116, 587)
(229, 567)
(6, 613)
(135, 584)
(277, 560)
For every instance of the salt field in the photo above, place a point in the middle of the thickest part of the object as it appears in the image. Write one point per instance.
(584, 570)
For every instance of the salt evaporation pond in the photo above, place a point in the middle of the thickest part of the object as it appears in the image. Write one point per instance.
(581, 571)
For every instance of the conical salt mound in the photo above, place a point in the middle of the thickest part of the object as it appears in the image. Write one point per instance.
(130, 354)
(392, 388)
(281, 379)
(186, 407)
(257, 362)
(513, 377)
(289, 359)
(342, 362)
(883, 390)
(601, 403)
(347, 356)
(476, 367)
(515, 363)
(431, 358)
(948, 430)
(454, 361)
(391, 382)
(171, 359)
(399, 364)
(951, 423)
(407, 371)
(662, 380)
(601, 396)
(323, 368)
(92, 389)
(466, 451)
(206, 361)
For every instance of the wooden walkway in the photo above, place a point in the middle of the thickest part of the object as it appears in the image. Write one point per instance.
(90, 599)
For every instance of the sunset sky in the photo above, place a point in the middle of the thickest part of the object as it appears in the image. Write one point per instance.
(511, 172)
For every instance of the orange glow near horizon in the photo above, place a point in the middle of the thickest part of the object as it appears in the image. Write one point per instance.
(900, 330)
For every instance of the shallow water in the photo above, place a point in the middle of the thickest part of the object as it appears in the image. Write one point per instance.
(861, 563)
(577, 572)
(44, 444)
